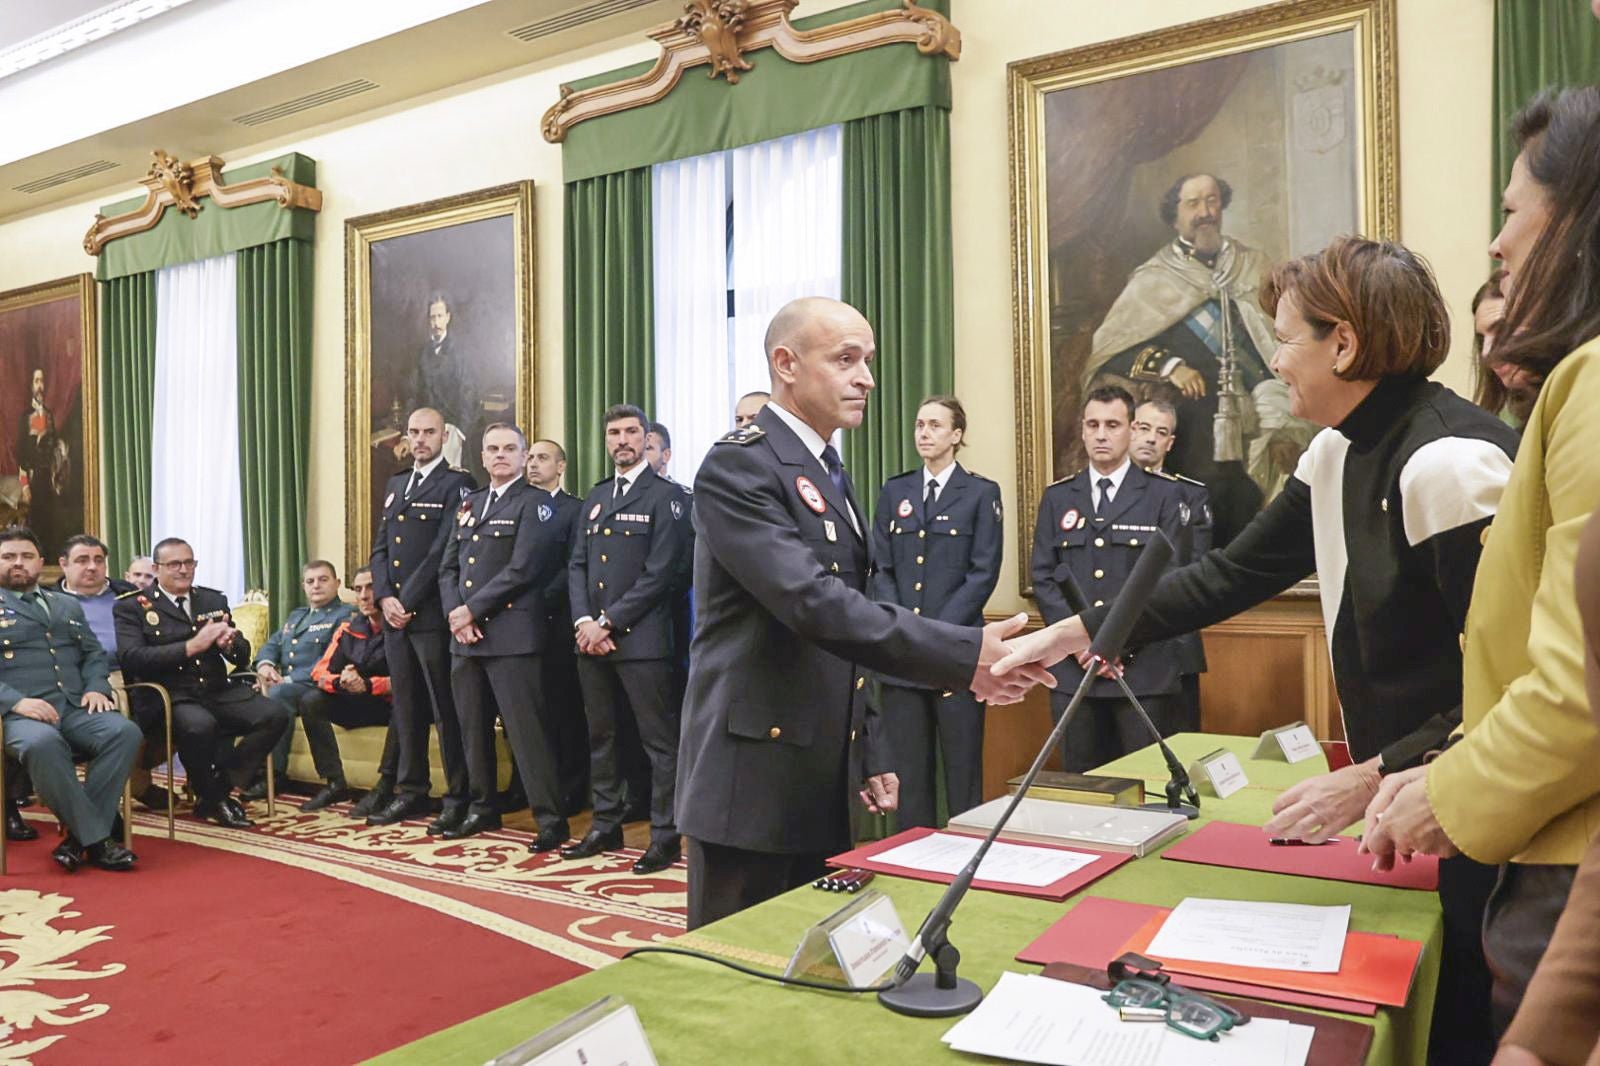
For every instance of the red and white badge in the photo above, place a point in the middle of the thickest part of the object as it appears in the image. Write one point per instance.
(594, 512)
(904, 510)
(809, 493)
(1069, 521)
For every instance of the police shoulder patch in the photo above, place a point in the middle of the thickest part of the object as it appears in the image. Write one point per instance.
(744, 435)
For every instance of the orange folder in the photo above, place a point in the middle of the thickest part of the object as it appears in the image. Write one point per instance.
(1375, 968)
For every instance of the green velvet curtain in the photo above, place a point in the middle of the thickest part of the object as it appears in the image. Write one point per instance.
(610, 308)
(1537, 43)
(898, 272)
(274, 285)
(127, 388)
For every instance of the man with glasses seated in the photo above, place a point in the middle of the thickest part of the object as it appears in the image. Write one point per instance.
(181, 635)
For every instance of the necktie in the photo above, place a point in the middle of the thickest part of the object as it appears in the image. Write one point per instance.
(929, 500)
(1105, 495)
(416, 479)
(183, 605)
(620, 488)
(830, 461)
(488, 502)
(38, 598)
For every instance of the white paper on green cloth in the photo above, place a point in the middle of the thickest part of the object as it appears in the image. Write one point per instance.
(1015, 864)
(1274, 936)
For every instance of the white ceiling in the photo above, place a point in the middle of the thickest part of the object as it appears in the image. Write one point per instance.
(21, 20)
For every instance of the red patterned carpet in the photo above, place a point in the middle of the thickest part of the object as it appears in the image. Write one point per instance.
(311, 939)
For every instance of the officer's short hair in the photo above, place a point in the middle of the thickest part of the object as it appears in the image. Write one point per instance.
(1169, 199)
(21, 533)
(167, 542)
(661, 431)
(1166, 407)
(561, 453)
(82, 540)
(1109, 394)
(619, 411)
(765, 396)
(320, 564)
(958, 414)
(522, 438)
(359, 571)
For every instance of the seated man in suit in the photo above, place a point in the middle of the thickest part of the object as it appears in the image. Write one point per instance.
(56, 699)
(352, 689)
(181, 635)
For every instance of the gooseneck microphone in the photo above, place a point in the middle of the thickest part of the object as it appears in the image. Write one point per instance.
(1179, 788)
(944, 992)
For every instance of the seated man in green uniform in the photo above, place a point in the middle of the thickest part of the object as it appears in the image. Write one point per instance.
(288, 656)
(56, 699)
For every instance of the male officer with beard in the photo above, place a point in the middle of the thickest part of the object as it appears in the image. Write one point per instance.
(419, 508)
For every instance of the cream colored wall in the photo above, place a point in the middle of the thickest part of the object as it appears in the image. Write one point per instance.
(487, 133)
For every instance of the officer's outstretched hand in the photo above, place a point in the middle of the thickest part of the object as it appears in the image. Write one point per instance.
(1045, 648)
(988, 683)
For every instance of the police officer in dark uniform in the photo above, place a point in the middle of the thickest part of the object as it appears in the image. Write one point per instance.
(625, 581)
(505, 546)
(936, 541)
(1155, 428)
(1092, 525)
(419, 508)
(777, 734)
(565, 725)
(181, 635)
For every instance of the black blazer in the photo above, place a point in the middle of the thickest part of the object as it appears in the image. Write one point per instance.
(1100, 552)
(946, 567)
(777, 733)
(151, 633)
(410, 541)
(498, 564)
(627, 560)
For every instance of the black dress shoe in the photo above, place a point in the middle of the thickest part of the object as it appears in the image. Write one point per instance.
(449, 819)
(471, 825)
(225, 812)
(330, 794)
(375, 800)
(406, 805)
(551, 837)
(68, 854)
(108, 854)
(155, 797)
(658, 857)
(256, 791)
(17, 827)
(593, 843)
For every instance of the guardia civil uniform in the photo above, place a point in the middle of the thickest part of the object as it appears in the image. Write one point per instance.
(294, 648)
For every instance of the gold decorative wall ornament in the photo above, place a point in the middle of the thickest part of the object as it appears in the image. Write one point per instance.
(181, 185)
(723, 33)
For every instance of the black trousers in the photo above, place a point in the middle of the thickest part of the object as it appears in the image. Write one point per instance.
(321, 711)
(564, 724)
(724, 880)
(511, 683)
(1518, 923)
(1462, 1033)
(1107, 728)
(204, 723)
(920, 724)
(419, 676)
(642, 690)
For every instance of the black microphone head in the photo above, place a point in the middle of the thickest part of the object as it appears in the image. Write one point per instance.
(1129, 604)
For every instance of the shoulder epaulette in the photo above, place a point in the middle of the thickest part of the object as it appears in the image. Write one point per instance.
(130, 592)
(980, 477)
(744, 435)
(1160, 474)
(1187, 480)
(906, 473)
(1069, 477)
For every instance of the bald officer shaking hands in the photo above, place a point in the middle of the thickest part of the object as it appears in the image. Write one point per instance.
(777, 734)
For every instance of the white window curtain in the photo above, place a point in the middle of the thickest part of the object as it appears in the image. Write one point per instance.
(787, 215)
(689, 207)
(194, 447)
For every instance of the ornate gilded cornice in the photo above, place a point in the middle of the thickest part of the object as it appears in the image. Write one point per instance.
(723, 33)
(181, 185)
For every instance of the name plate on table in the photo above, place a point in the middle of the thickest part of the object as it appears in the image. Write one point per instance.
(1292, 743)
(1219, 772)
(605, 1033)
(864, 938)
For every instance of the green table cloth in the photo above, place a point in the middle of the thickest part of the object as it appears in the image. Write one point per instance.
(698, 1012)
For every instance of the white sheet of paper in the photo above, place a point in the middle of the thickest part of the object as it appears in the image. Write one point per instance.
(1277, 936)
(1015, 864)
(1037, 1019)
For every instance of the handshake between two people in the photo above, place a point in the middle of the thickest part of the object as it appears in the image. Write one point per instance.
(1011, 662)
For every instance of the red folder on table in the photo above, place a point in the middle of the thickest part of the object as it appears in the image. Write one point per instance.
(862, 858)
(1245, 847)
(1097, 930)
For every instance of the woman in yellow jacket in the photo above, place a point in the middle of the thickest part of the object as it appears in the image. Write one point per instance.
(1520, 784)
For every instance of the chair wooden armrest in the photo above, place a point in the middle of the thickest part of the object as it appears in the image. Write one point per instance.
(120, 689)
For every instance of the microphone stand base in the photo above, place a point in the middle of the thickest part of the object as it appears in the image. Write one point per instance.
(1185, 809)
(921, 997)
